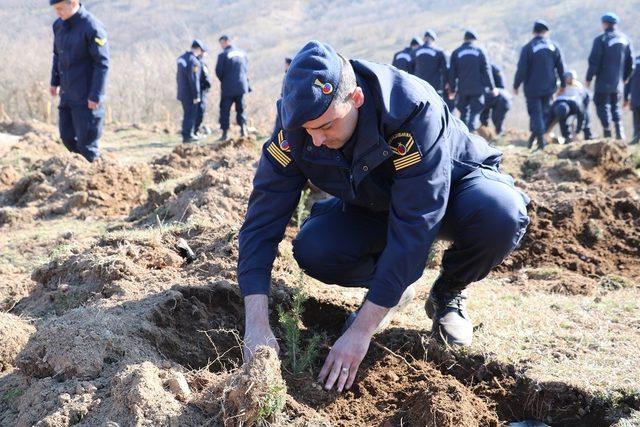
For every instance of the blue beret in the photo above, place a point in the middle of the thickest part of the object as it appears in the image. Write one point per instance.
(610, 18)
(198, 43)
(570, 73)
(415, 41)
(52, 2)
(540, 26)
(431, 33)
(470, 35)
(310, 84)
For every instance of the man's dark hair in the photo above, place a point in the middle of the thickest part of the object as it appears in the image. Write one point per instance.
(223, 38)
(347, 83)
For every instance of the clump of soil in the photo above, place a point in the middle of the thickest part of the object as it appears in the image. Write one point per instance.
(256, 393)
(556, 281)
(13, 287)
(14, 334)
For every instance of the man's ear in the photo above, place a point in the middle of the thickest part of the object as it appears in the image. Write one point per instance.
(357, 97)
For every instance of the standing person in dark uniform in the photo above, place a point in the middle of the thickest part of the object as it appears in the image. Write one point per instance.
(496, 107)
(431, 64)
(611, 63)
(79, 75)
(403, 60)
(632, 100)
(539, 68)
(401, 171)
(205, 86)
(189, 89)
(231, 69)
(572, 102)
(469, 77)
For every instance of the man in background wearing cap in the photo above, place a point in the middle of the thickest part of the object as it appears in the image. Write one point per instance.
(572, 101)
(496, 107)
(205, 87)
(431, 64)
(232, 69)
(79, 75)
(404, 60)
(188, 78)
(632, 100)
(401, 171)
(539, 68)
(469, 77)
(611, 63)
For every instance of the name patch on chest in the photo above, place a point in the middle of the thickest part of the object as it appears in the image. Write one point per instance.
(405, 151)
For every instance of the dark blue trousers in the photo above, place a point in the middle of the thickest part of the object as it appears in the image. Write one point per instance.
(608, 108)
(470, 107)
(200, 112)
(495, 107)
(189, 115)
(538, 108)
(485, 219)
(81, 128)
(225, 110)
(636, 124)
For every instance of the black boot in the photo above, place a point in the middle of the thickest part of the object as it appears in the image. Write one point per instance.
(223, 137)
(620, 131)
(587, 134)
(541, 143)
(635, 140)
(606, 133)
(243, 130)
(447, 308)
(530, 142)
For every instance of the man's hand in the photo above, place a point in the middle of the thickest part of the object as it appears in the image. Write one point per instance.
(196, 101)
(452, 95)
(515, 91)
(92, 105)
(625, 104)
(53, 90)
(342, 363)
(257, 330)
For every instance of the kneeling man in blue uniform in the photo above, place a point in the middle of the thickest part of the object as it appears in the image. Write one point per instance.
(79, 75)
(402, 171)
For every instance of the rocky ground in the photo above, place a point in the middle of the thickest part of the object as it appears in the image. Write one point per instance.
(104, 320)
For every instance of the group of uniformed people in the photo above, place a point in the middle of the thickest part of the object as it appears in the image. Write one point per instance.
(400, 169)
(194, 82)
(469, 82)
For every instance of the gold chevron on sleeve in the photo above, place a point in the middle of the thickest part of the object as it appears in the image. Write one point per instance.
(278, 155)
(405, 162)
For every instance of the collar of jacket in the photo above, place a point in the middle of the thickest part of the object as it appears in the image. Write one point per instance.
(76, 16)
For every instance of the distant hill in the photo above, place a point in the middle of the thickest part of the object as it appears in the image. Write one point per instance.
(146, 36)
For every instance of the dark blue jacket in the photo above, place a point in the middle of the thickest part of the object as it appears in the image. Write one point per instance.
(431, 66)
(470, 72)
(80, 58)
(403, 60)
(231, 70)
(188, 77)
(496, 73)
(610, 62)
(407, 152)
(539, 68)
(205, 77)
(632, 88)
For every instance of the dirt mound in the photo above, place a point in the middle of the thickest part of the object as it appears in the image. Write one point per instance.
(14, 334)
(587, 231)
(219, 194)
(605, 164)
(13, 287)
(556, 281)
(21, 128)
(63, 185)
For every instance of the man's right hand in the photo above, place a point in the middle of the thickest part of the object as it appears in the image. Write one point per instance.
(53, 90)
(257, 330)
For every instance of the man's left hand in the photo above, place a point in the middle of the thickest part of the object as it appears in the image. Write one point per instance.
(342, 363)
(496, 92)
(92, 105)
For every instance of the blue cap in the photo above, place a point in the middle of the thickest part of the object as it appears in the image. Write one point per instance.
(310, 84)
(570, 73)
(610, 18)
(432, 34)
(540, 26)
(52, 2)
(415, 41)
(198, 43)
(470, 35)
